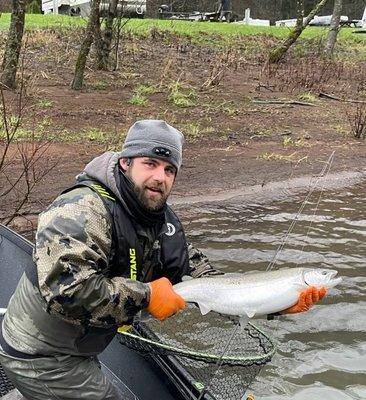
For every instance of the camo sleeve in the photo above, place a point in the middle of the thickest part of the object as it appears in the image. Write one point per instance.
(72, 247)
(199, 264)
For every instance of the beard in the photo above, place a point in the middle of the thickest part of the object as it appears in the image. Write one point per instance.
(150, 204)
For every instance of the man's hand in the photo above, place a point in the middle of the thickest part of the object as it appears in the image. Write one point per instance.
(306, 299)
(164, 302)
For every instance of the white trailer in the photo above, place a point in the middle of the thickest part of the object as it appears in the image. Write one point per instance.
(82, 7)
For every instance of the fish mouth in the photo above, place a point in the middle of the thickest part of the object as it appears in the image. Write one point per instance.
(334, 280)
(333, 274)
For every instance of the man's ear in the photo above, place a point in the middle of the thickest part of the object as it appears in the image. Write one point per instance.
(124, 163)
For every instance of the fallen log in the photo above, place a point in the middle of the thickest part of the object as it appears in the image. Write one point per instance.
(330, 96)
(285, 102)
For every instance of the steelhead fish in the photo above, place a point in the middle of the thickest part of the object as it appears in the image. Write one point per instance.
(253, 294)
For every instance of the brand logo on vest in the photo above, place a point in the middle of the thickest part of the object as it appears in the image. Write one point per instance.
(133, 264)
(171, 229)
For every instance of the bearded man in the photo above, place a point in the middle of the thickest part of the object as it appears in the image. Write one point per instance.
(105, 249)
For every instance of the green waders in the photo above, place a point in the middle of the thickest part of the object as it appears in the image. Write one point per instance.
(60, 377)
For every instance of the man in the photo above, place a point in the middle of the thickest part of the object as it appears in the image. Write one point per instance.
(105, 249)
(225, 10)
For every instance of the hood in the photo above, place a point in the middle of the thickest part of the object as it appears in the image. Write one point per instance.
(102, 169)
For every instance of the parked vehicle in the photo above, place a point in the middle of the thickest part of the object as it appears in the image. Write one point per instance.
(131, 8)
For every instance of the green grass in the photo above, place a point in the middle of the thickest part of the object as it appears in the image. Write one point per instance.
(44, 103)
(308, 97)
(181, 95)
(40, 21)
(139, 95)
(197, 32)
(138, 99)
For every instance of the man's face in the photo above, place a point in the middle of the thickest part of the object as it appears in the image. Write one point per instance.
(153, 179)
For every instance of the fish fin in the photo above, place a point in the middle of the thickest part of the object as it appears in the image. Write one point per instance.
(203, 308)
(186, 278)
(243, 320)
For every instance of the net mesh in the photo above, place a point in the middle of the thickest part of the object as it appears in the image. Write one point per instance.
(220, 358)
(5, 385)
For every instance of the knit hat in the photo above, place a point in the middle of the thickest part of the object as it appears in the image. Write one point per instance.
(156, 139)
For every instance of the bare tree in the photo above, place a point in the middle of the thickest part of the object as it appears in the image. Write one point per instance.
(357, 120)
(118, 27)
(13, 44)
(277, 54)
(334, 28)
(105, 42)
(23, 162)
(92, 32)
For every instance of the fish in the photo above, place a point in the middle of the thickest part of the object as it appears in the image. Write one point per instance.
(254, 294)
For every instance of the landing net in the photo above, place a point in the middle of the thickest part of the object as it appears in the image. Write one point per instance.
(219, 359)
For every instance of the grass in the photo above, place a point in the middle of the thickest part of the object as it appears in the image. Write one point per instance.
(43, 132)
(182, 96)
(308, 97)
(44, 103)
(20, 134)
(287, 141)
(138, 100)
(40, 21)
(276, 157)
(191, 131)
(230, 109)
(139, 95)
(198, 32)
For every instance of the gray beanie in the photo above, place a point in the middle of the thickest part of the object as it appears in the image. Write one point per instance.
(156, 139)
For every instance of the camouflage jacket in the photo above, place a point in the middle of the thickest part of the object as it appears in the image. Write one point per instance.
(76, 299)
(72, 248)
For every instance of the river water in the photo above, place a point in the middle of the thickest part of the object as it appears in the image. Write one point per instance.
(322, 353)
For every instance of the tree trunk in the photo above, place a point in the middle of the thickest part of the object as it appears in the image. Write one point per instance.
(299, 14)
(104, 45)
(13, 45)
(93, 25)
(276, 55)
(118, 37)
(334, 28)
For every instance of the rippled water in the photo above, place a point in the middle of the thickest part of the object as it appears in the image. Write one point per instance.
(322, 353)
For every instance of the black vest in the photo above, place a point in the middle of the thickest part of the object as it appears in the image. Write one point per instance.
(168, 257)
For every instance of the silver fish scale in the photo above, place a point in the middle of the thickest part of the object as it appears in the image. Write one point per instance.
(251, 294)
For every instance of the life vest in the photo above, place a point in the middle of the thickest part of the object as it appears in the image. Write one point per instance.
(169, 256)
(126, 259)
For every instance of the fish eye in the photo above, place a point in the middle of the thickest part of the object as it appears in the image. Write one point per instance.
(324, 272)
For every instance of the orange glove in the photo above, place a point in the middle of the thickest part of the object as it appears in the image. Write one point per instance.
(164, 302)
(307, 298)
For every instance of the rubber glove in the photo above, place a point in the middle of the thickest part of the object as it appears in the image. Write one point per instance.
(164, 302)
(307, 298)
